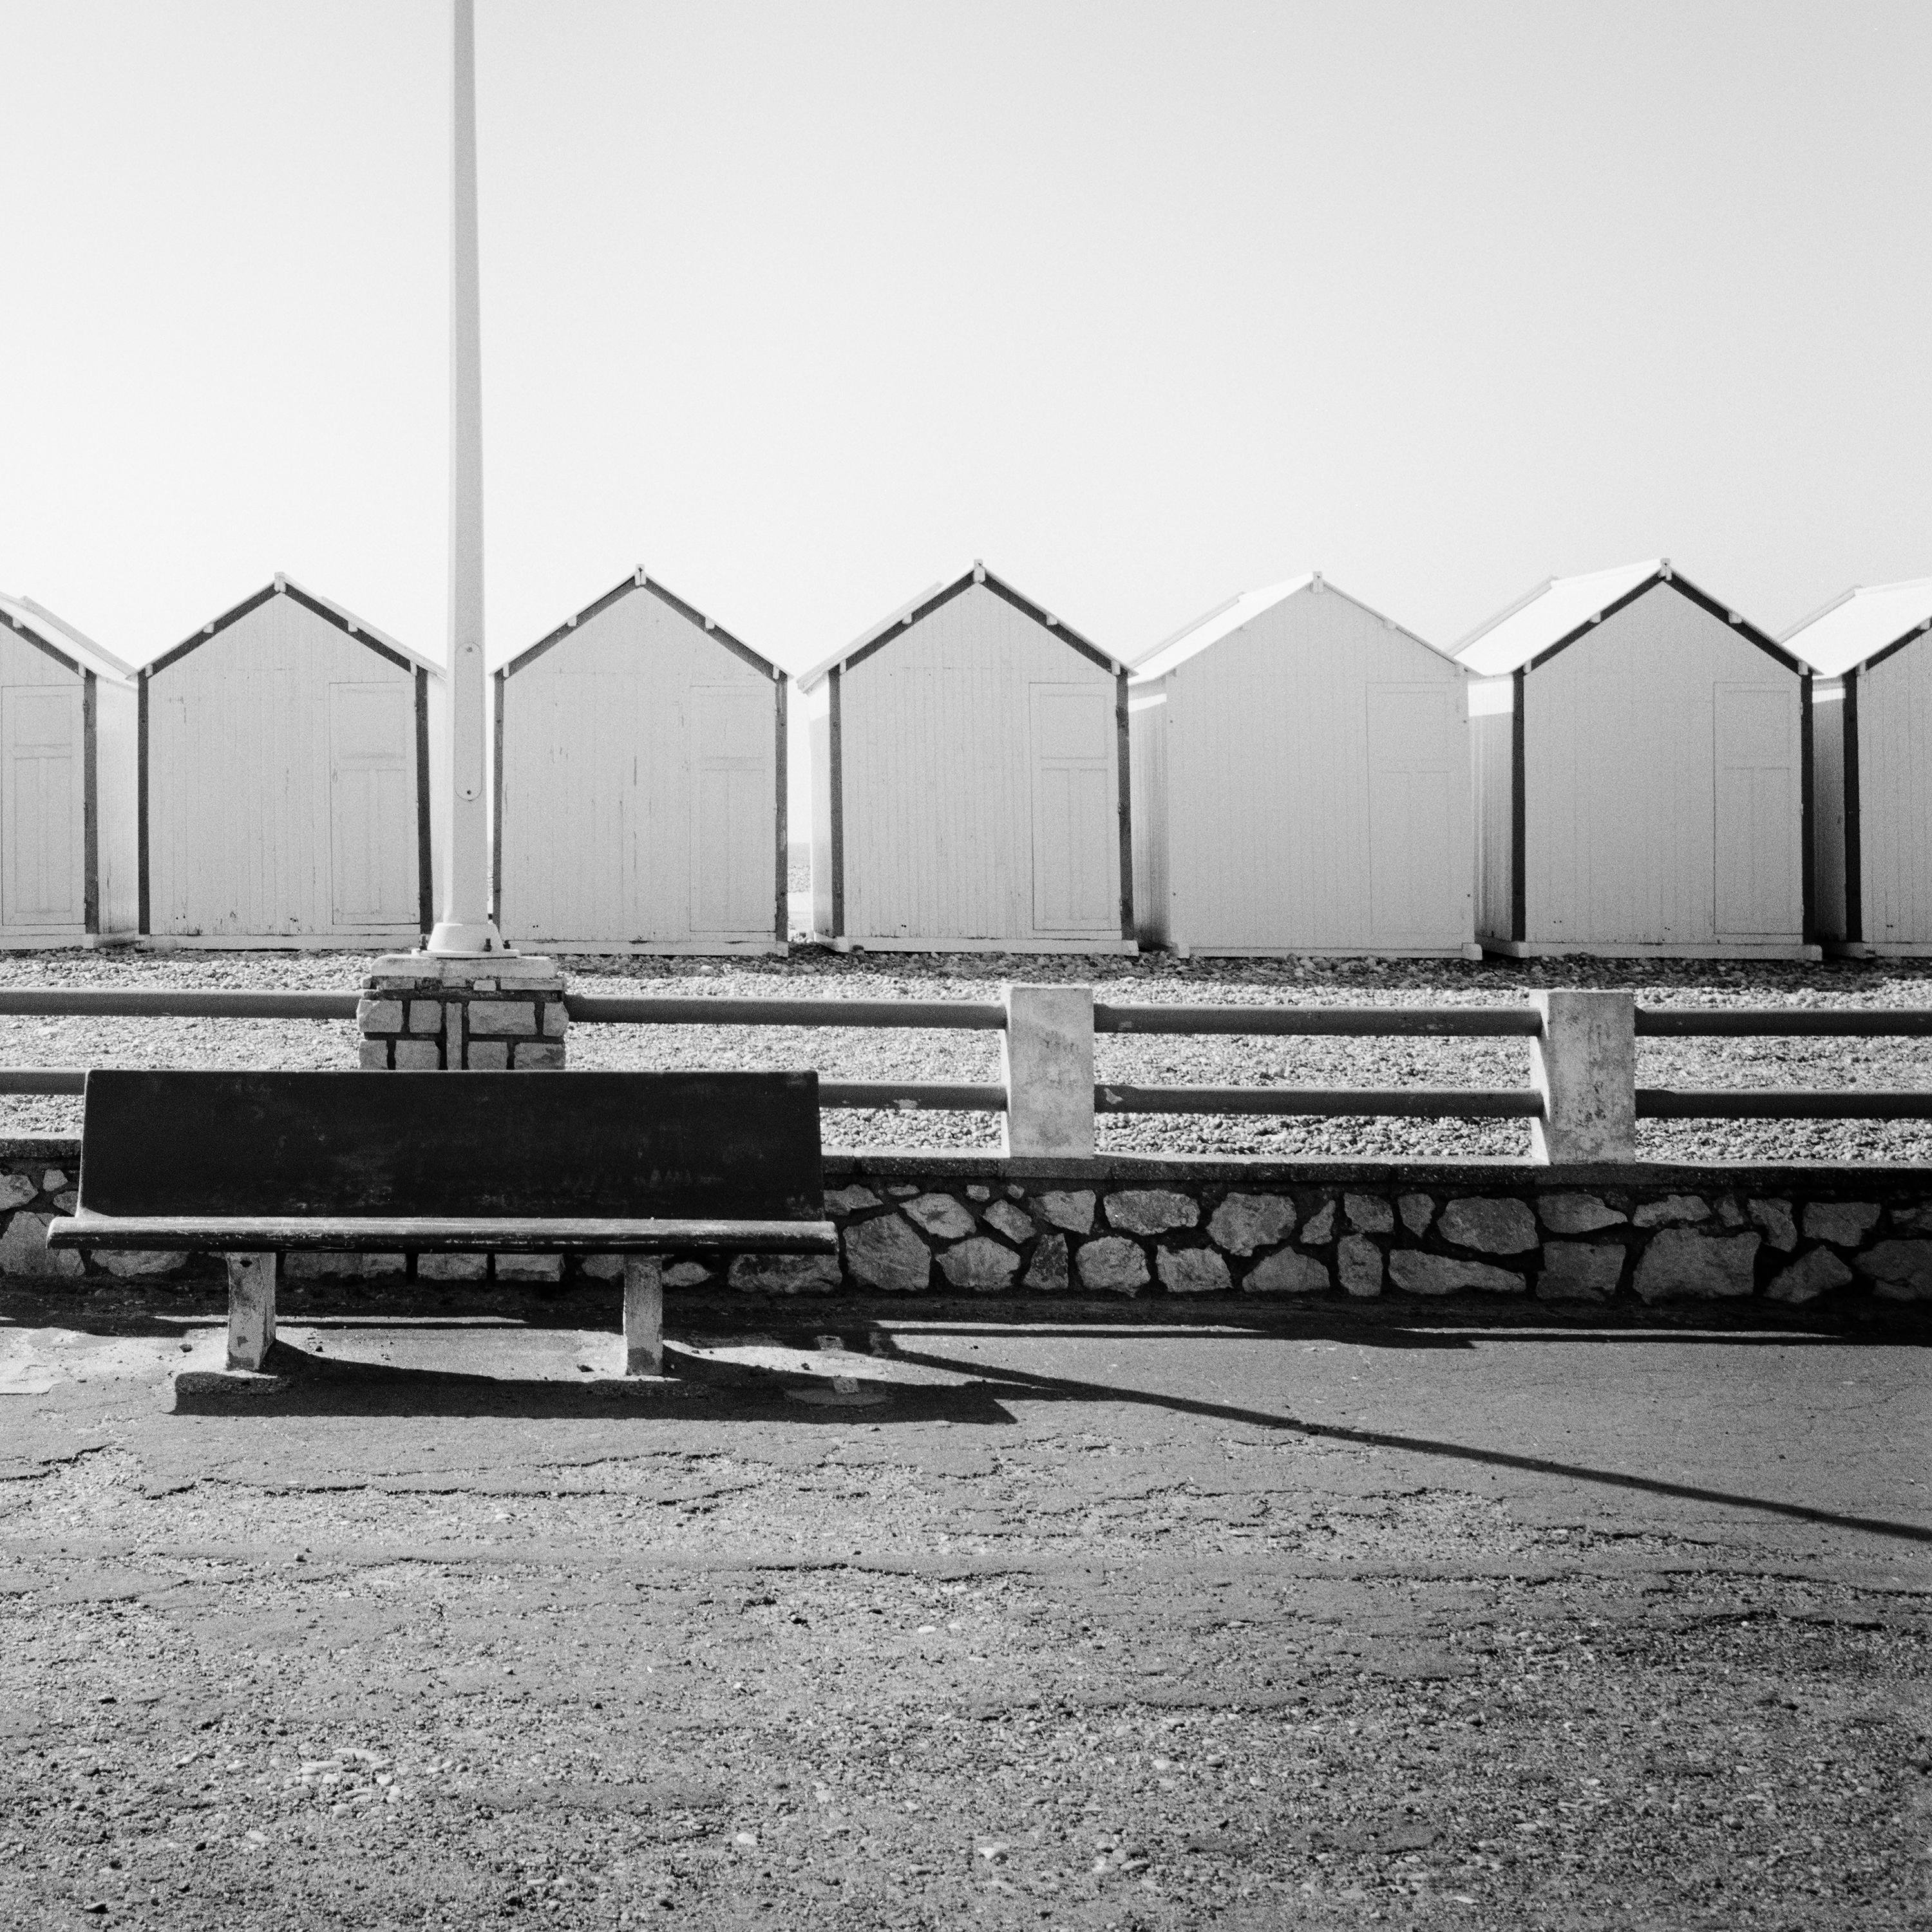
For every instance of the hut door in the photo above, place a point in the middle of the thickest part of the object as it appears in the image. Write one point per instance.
(1759, 820)
(1415, 768)
(1075, 833)
(372, 819)
(43, 806)
(733, 829)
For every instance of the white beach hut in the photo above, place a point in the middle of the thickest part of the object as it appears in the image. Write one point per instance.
(1300, 782)
(1872, 738)
(970, 781)
(285, 787)
(67, 867)
(640, 785)
(1643, 774)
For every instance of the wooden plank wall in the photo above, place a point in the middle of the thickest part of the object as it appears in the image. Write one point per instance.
(241, 839)
(1318, 787)
(1495, 841)
(1895, 797)
(1620, 731)
(640, 790)
(43, 780)
(939, 761)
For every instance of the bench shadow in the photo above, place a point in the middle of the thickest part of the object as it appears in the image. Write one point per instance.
(311, 1385)
(1019, 1386)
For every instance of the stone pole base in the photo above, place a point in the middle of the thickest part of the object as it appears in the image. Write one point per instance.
(423, 1012)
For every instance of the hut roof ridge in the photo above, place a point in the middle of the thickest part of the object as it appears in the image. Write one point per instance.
(24, 617)
(640, 579)
(282, 585)
(1861, 622)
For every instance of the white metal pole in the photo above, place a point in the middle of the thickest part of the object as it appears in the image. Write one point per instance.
(466, 927)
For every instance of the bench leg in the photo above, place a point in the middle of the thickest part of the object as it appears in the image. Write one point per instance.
(251, 1309)
(644, 1314)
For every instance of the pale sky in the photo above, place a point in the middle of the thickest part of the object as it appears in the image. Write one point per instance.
(802, 306)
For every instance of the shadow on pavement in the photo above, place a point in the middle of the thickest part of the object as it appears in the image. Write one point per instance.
(1017, 1385)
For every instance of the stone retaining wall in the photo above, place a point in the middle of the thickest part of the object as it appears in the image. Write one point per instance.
(954, 1224)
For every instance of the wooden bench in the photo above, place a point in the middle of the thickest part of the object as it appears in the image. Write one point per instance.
(254, 1165)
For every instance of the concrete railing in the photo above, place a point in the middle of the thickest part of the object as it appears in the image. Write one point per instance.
(1583, 1102)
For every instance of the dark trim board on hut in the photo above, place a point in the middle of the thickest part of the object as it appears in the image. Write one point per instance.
(972, 786)
(640, 784)
(1651, 789)
(285, 793)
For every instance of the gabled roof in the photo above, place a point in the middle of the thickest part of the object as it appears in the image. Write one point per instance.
(638, 580)
(1866, 622)
(1561, 609)
(876, 636)
(1191, 640)
(380, 642)
(59, 639)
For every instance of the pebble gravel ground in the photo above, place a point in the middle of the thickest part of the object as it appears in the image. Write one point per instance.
(812, 972)
(1337, 1625)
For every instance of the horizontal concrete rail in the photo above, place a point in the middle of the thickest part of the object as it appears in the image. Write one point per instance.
(1782, 1103)
(1414, 1102)
(970, 1015)
(913, 1095)
(1442, 1022)
(62, 1003)
(1788, 1022)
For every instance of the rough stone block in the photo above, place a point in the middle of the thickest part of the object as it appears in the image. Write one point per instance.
(529, 1267)
(901, 1190)
(1809, 1277)
(1319, 1228)
(682, 1274)
(1358, 1264)
(1729, 1214)
(1048, 1273)
(373, 1057)
(1912, 1220)
(487, 1056)
(24, 1251)
(1674, 1208)
(1489, 1224)
(1192, 1271)
(52, 1182)
(425, 1016)
(1286, 1273)
(983, 1264)
(886, 1252)
(1073, 1211)
(1244, 1222)
(784, 1274)
(1151, 1211)
(1576, 1214)
(1681, 1262)
(601, 1267)
(1845, 1223)
(379, 1016)
(849, 1200)
(555, 1019)
(418, 1056)
(1780, 1231)
(136, 1262)
(1580, 1270)
(976, 1193)
(1417, 1211)
(67, 1200)
(1368, 1213)
(16, 1190)
(1899, 1271)
(1417, 1273)
(1003, 1218)
(1112, 1264)
(537, 1056)
(503, 1019)
(452, 1267)
(941, 1215)
(323, 1264)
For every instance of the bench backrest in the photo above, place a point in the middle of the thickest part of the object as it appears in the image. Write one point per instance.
(585, 1145)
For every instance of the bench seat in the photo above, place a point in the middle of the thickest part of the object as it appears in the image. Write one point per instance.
(234, 1233)
(253, 1165)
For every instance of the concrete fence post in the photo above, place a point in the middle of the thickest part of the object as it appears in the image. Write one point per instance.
(1046, 1061)
(1583, 1065)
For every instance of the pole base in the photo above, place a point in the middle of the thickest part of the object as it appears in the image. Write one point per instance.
(462, 939)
